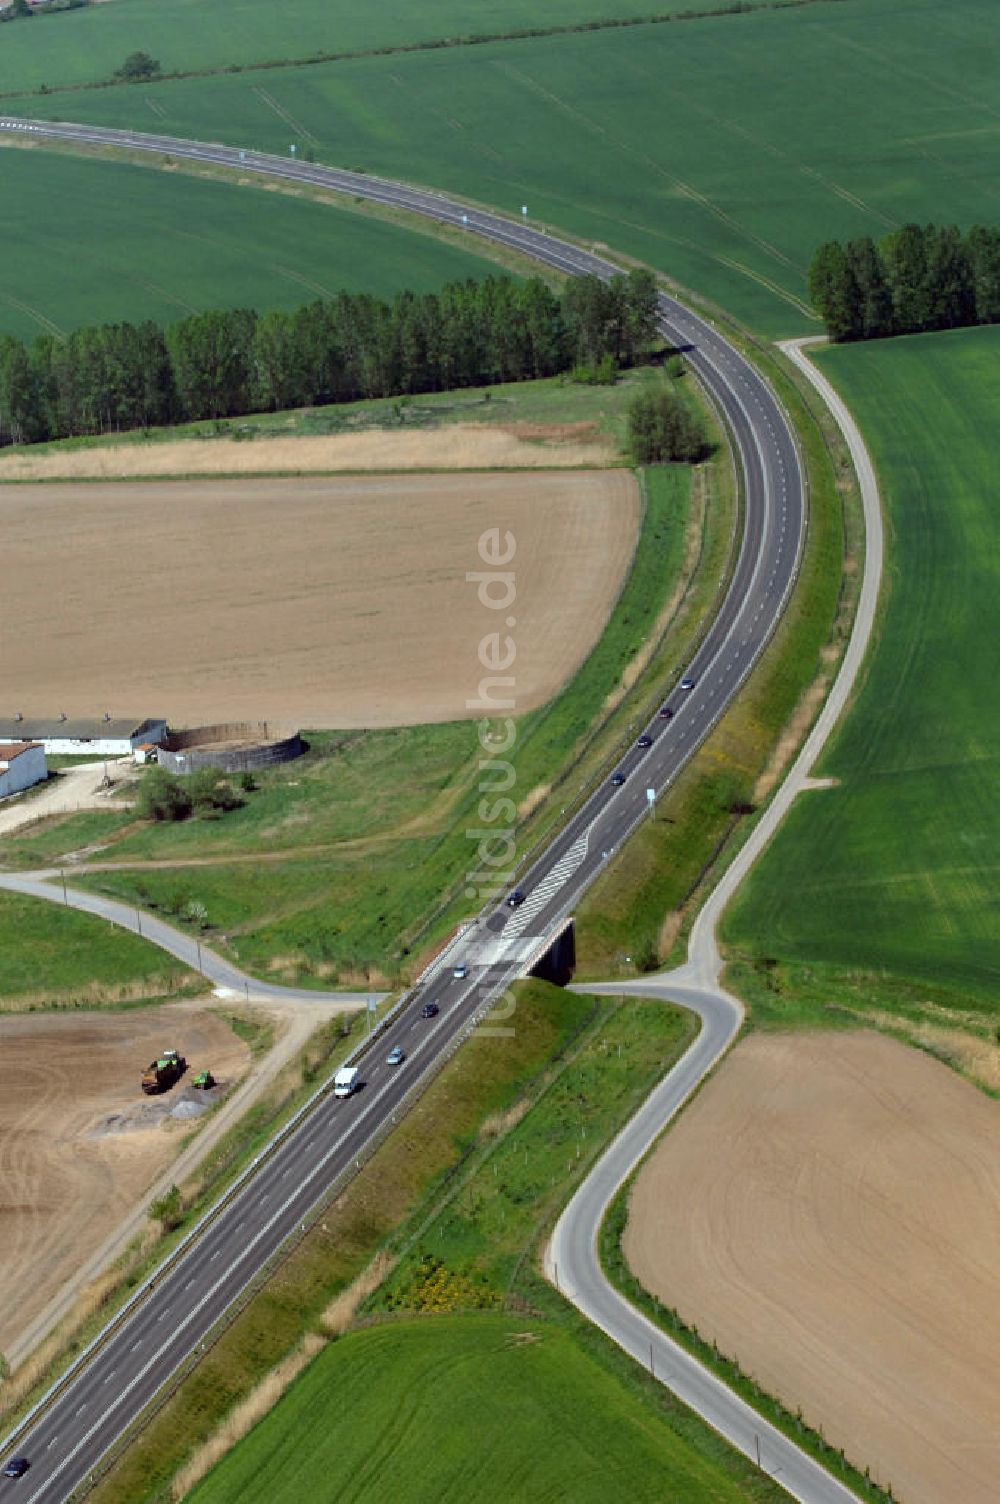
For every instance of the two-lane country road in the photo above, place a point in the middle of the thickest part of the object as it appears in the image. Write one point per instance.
(103, 1396)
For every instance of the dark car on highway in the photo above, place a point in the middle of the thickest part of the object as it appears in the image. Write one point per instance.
(666, 714)
(429, 1010)
(644, 741)
(516, 899)
(618, 779)
(16, 1467)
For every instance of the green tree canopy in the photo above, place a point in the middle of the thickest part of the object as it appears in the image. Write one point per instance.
(662, 428)
(138, 66)
(162, 797)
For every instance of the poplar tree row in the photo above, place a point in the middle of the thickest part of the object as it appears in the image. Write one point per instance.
(919, 277)
(229, 362)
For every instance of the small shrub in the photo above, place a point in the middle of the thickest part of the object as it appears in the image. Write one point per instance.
(661, 429)
(137, 67)
(210, 794)
(603, 372)
(168, 1211)
(162, 797)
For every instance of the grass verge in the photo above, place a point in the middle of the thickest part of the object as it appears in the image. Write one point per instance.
(636, 915)
(553, 402)
(53, 957)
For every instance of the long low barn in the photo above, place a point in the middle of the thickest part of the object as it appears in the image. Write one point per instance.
(101, 738)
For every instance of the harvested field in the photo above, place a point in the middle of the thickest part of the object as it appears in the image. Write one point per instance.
(321, 602)
(828, 1210)
(461, 446)
(79, 1143)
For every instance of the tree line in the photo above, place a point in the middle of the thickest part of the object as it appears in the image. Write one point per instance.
(917, 278)
(229, 362)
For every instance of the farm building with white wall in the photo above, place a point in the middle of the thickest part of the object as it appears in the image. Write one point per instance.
(22, 764)
(102, 738)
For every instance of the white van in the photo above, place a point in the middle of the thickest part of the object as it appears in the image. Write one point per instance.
(345, 1082)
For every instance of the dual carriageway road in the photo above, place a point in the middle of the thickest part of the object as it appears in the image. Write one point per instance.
(108, 1390)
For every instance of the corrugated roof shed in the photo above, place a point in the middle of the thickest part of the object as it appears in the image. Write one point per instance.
(90, 731)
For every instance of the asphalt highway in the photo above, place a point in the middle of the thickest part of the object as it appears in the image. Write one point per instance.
(108, 1390)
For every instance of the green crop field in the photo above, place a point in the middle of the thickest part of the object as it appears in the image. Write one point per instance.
(475, 1407)
(721, 150)
(87, 46)
(88, 242)
(58, 958)
(896, 869)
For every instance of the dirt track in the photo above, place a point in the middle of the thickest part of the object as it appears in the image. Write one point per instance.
(326, 602)
(828, 1209)
(72, 1162)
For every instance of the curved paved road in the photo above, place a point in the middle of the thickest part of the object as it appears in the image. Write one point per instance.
(71, 1431)
(48, 884)
(571, 1259)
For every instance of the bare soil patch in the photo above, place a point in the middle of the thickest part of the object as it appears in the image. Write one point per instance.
(322, 602)
(76, 788)
(79, 1143)
(828, 1210)
(459, 446)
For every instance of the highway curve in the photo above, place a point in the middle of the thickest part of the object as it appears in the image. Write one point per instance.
(108, 1389)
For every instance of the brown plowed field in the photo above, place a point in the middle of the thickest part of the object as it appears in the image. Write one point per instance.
(334, 601)
(828, 1210)
(79, 1143)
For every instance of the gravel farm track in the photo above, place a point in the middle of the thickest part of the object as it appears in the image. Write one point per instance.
(73, 1429)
